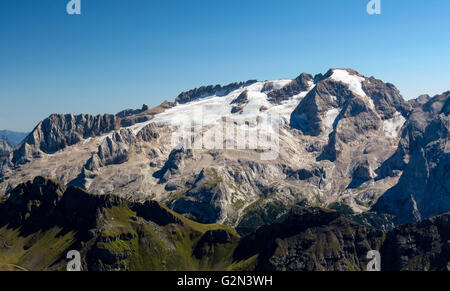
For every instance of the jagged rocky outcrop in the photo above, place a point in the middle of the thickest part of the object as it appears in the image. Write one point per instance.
(423, 159)
(174, 164)
(421, 246)
(240, 102)
(60, 131)
(33, 198)
(115, 149)
(202, 200)
(129, 112)
(5, 147)
(310, 239)
(211, 90)
(300, 84)
(342, 96)
(131, 117)
(363, 172)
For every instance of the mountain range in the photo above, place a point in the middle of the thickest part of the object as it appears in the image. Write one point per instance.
(13, 137)
(346, 142)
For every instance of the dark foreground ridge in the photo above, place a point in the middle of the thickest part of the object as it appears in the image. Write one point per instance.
(40, 221)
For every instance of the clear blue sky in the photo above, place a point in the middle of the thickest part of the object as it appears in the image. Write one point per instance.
(122, 53)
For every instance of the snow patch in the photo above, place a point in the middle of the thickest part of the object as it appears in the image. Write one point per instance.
(104, 137)
(330, 117)
(354, 83)
(281, 83)
(392, 126)
(212, 109)
(285, 109)
(136, 128)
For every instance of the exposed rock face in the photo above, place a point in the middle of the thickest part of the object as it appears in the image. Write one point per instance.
(419, 101)
(310, 240)
(423, 158)
(175, 163)
(362, 173)
(268, 86)
(114, 150)
(131, 117)
(60, 131)
(240, 102)
(129, 112)
(37, 198)
(310, 113)
(211, 90)
(421, 246)
(386, 98)
(5, 148)
(297, 86)
(202, 200)
(344, 96)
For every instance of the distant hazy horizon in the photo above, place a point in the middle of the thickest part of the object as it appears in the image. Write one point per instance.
(119, 55)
